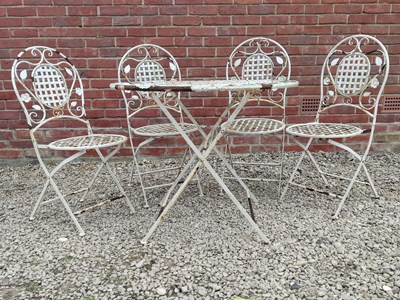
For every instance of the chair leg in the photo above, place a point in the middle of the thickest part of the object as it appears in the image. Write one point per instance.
(252, 214)
(135, 164)
(104, 162)
(99, 168)
(228, 153)
(349, 187)
(127, 200)
(371, 183)
(51, 181)
(64, 202)
(141, 181)
(60, 196)
(265, 165)
(178, 180)
(314, 162)
(282, 156)
(309, 154)
(303, 154)
(39, 200)
(234, 174)
(353, 180)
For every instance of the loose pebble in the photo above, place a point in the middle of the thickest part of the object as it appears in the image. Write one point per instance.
(161, 291)
(204, 248)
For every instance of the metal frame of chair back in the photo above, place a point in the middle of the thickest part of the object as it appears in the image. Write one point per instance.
(151, 63)
(50, 90)
(259, 58)
(353, 78)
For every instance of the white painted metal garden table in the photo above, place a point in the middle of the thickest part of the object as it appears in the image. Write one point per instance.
(245, 89)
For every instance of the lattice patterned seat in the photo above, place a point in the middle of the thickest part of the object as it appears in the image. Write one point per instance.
(324, 130)
(165, 129)
(88, 142)
(353, 78)
(254, 126)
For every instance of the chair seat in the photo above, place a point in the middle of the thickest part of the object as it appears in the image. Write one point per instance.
(324, 130)
(87, 142)
(165, 129)
(256, 126)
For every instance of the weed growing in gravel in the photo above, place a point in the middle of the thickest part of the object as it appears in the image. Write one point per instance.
(31, 287)
(68, 257)
(35, 263)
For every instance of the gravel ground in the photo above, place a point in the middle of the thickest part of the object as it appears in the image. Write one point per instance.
(205, 249)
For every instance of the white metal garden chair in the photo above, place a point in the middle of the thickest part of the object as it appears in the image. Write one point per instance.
(151, 63)
(259, 58)
(50, 91)
(353, 78)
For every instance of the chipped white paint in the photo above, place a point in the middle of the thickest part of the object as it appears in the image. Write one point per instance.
(206, 85)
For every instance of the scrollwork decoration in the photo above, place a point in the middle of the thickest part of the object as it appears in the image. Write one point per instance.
(349, 79)
(36, 65)
(148, 63)
(261, 59)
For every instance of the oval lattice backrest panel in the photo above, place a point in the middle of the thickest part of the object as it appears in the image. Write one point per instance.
(353, 74)
(257, 67)
(47, 85)
(260, 58)
(50, 86)
(149, 70)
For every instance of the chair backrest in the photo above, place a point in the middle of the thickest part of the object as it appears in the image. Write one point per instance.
(148, 63)
(47, 85)
(260, 58)
(353, 76)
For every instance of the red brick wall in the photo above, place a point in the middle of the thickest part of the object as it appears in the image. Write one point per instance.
(201, 34)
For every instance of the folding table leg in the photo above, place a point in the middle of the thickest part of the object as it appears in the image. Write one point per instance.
(209, 147)
(202, 160)
(198, 175)
(183, 186)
